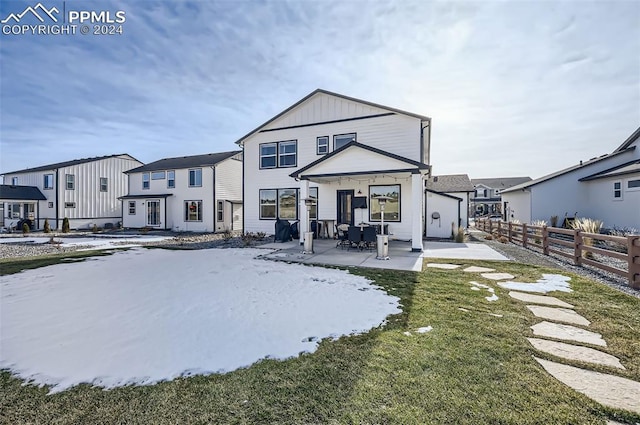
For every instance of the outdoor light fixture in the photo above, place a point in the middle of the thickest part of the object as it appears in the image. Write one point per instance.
(359, 192)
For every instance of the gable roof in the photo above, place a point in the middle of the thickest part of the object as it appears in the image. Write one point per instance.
(178, 162)
(500, 183)
(630, 167)
(415, 164)
(450, 183)
(634, 136)
(23, 193)
(69, 163)
(317, 91)
(446, 195)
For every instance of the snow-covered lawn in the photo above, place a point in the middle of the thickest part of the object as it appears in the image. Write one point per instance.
(144, 316)
(91, 243)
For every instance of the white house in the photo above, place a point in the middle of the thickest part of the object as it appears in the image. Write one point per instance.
(487, 198)
(447, 199)
(337, 150)
(605, 188)
(199, 193)
(86, 191)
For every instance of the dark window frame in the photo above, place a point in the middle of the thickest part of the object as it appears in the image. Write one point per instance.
(69, 204)
(14, 181)
(195, 171)
(171, 182)
(278, 154)
(277, 205)
(220, 211)
(187, 210)
(372, 200)
(318, 145)
(617, 191)
(132, 207)
(45, 187)
(106, 184)
(633, 185)
(354, 139)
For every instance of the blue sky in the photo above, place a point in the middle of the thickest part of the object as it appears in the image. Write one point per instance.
(514, 88)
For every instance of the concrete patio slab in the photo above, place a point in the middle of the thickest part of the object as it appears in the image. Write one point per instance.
(608, 390)
(575, 352)
(461, 251)
(539, 299)
(567, 333)
(558, 315)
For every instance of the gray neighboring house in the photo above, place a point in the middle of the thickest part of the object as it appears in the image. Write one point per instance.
(447, 204)
(486, 198)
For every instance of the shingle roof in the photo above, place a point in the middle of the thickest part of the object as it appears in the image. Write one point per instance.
(500, 183)
(630, 167)
(67, 163)
(178, 162)
(22, 193)
(450, 183)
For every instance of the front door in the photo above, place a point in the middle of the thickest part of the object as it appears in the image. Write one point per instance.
(345, 207)
(153, 213)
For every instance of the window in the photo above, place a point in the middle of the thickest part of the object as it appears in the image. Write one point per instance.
(220, 211)
(392, 206)
(14, 181)
(617, 191)
(340, 140)
(313, 194)
(322, 145)
(280, 154)
(71, 181)
(288, 204)
(69, 204)
(633, 185)
(157, 175)
(103, 184)
(145, 180)
(268, 203)
(50, 204)
(132, 207)
(171, 179)
(48, 181)
(193, 211)
(195, 177)
(14, 210)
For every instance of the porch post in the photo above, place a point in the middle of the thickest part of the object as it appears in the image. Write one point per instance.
(302, 209)
(416, 212)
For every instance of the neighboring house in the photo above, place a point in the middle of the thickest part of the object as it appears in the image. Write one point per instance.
(340, 152)
(605, 188)
(21, 201)
(84, 190)
(199, 193)
(486, 198)
(447, 199)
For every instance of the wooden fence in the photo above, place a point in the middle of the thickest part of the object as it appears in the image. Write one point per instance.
(579, 246)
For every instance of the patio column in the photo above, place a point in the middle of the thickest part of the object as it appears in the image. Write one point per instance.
(416, 212)
(302, 209)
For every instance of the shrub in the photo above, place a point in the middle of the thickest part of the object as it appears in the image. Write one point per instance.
(538, 232)
(247, 238)
(25, 228)
(503, 239)
(516, 221)
(94, 229)
(65, 225)
(460, 235)
(261, 235)
(47, 226)
(227, 235)
(488, 237)
(144, 230)
(588, 225)
(622, 232)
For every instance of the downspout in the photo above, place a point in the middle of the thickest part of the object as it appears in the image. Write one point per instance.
(422, 152)
(244, 211)
(215, 201)
(57, 194)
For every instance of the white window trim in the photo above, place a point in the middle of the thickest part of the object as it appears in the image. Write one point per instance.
(132, 206)
(148, 181)
(73, 181)
(325, 145)
(171, 183)
(631, 189)
(45, 187)
(106, 184)
(621, 190)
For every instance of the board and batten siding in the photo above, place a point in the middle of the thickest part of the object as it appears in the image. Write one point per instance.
(447, 208)
(614, 212)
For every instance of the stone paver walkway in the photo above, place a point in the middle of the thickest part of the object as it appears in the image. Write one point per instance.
(539, 299)
(558, 315)
(476, 269)
(575, 352)
(497, 276)
(567, 333)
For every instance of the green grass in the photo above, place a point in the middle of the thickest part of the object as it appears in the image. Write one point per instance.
(473, 368)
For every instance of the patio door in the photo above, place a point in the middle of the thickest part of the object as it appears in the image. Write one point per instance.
(153, 213)
(345, 207)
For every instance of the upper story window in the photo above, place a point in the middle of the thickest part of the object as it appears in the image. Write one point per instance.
(280, 154)
(171, 179)
(322, 145)
(633, 185)
(104, 184)
(195, 177)
(145, 180)
(157, 175)
(14, 181)
(71, 181)
(48, 181)
(617, 191)
(339, 140)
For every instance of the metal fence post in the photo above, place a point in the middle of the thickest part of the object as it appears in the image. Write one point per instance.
(633, 252)
(577, 248)
(545, 240)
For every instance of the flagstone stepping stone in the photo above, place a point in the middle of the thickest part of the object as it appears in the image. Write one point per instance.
(476, 269)
(558, 315)
(548, 283)
(608, 390)
(567, 333)
(575, 352)
(539, 299)
(497, 276)
(443, 266)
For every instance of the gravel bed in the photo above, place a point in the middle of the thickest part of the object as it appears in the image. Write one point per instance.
(529, 256)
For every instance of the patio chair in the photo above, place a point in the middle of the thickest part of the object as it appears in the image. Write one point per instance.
(369, 237)
(343, 237)
(355, 237)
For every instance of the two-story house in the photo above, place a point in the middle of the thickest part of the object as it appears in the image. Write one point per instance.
(198, 193)
(85, 191)
(486, 198)
(341, 152)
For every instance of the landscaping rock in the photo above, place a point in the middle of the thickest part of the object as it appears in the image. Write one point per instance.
(558, 315)
(575, 352)
(608, 390)
(568, 333)
(539, 299)
(497, 276)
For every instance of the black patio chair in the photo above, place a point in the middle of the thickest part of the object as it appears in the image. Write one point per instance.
(369, 237)
(343, 237)
(355, 237)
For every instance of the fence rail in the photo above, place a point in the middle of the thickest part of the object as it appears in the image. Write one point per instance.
(582, 245)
